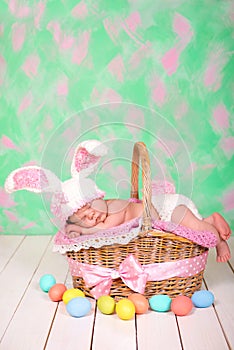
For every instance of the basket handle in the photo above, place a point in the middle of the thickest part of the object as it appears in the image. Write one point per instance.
(140, 154)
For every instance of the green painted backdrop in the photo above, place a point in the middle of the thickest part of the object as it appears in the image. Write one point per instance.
(119, 71)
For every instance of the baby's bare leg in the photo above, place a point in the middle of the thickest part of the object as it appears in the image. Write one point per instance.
(183, 216)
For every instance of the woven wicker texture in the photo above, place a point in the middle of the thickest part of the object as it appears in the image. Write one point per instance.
(150, 247)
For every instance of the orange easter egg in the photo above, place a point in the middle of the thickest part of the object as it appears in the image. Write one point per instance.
(56, 292)
(140, 302)
(181, 305)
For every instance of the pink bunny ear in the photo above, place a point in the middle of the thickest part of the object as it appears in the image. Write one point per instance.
(32, 178)
(86, 157)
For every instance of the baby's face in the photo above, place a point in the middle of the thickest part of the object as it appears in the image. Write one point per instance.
(92, 214)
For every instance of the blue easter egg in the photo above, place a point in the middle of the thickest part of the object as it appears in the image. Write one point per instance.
(78, 307)
(160, 303)
(202, 298)
(46, 282)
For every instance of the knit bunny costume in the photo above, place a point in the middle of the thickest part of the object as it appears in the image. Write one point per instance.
(67, 196)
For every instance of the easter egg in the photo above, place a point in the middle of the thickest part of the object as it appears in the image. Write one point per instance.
(160, 303)
(78, 307)
(140, 302)
(106, 304)
(46, 282)
(56, 292)
(72, 293)
(181, 305)
(125, 309)
(202, 298)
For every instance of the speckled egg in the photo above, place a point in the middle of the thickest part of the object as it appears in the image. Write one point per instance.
(160, 303)
(202, 298)
(78, 307)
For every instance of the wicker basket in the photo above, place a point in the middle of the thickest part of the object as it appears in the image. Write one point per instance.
(151, 246)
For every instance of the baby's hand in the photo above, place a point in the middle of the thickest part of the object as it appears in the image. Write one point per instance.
(73, 234)
(72, 231)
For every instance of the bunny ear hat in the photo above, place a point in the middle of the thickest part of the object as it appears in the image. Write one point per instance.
(70, 195)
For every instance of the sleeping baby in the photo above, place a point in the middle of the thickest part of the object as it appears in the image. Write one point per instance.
(102, 214)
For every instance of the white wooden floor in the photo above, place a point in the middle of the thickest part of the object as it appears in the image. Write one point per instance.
(29, 320)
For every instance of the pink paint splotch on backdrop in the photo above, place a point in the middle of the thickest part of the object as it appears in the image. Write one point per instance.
(158, 91)
(6, 200)
(170, 60)
(134, 121)
(227, 144)
(1, 29)
(140, 55)
(18, 10)
(62, 87)
(62, 39)
(112, 27)
(116, 67)
(81, 47)
(18, 36)
(7, 143)
(221, 117)
(105, 96)
(26, 102)
(133, 21)
(183, 29)
(29, 225)
(169, 147)
(213, 74)
(3, 69)
(181, 110)
(11, 216)
(39, 11)
(80, 11)
(30, 66)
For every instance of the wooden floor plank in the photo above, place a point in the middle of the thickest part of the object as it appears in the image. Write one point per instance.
(219, 278)
(36, 309)
(70, 333)
(112, 333)
(157, 328)
(74, 330)
(8, 246)
(17, 275)
(201, 330)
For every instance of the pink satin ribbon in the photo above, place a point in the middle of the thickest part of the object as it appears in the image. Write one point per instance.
(133, 274)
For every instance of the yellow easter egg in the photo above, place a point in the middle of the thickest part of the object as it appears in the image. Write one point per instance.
(106, 304)
(125, 309)
(71, 294)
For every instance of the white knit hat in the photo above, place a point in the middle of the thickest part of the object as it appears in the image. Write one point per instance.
(70, 195)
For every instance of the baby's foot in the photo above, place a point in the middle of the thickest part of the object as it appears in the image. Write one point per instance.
(223, 252)
(220, 224)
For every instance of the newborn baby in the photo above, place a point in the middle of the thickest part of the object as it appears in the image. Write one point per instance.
(103, 214)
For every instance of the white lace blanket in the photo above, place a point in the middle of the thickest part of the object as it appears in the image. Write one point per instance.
(124, 233)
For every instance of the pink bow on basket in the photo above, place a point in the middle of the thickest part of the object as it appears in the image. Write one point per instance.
(130, 271)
